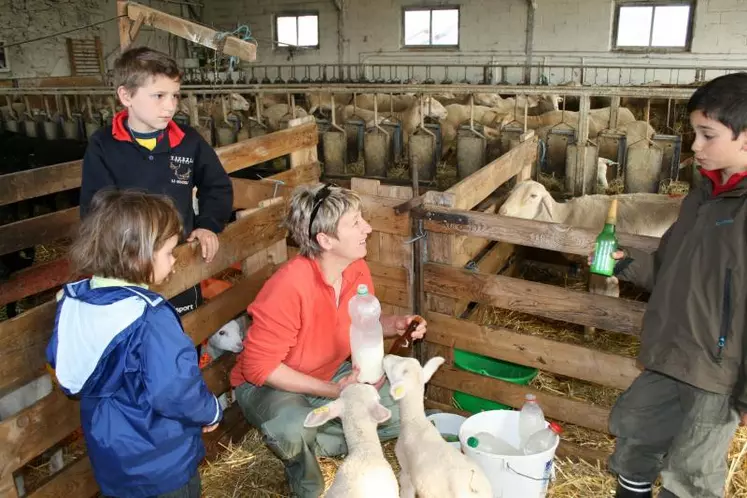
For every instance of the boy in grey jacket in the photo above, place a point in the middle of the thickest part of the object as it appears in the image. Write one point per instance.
(678, 417)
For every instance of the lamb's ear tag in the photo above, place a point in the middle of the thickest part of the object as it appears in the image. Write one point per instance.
(321, 409)
(398, 391)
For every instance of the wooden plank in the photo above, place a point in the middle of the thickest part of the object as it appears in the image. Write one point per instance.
(38, 230)
(74, 480)
(44, 424)
(549, 301)
(238, 241)
(196, 33)
(34, 279)
(22, 342)
(257, 150)
(373, 243)
(208, 318)
(555, 407)
(513, 346)
(477, 186)
(532, 233)
(36, 182)
(491, 262)
(565, 449)
(274, 254)
(77, 479)
(123, 25)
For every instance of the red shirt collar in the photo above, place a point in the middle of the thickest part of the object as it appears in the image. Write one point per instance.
(715, 177)
(120, 131)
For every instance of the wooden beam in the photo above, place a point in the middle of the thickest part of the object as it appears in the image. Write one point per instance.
(513, 346)
(549, 301)
(23, 338)
(135, 29)
(555, 407)
(208, 318)
(124, 25)
(48, 421)
(391, 284)
(257, 150)
(565, 449)
(532, 233)
(38, 230)
(34, 279)
(477, 186)
(299, 175)
(239, 240)
(193, 32)
(36, 182)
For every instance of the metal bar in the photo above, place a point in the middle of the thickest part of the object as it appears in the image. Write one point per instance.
(681, 93)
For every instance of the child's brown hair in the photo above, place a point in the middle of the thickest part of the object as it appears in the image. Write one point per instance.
(136, 66)
(121, 233)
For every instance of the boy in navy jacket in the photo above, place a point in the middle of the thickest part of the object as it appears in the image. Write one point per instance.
(145, 149)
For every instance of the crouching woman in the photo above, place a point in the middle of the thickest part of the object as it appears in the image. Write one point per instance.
(296, 351)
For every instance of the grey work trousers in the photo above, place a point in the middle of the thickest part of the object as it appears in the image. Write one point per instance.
(667, 426)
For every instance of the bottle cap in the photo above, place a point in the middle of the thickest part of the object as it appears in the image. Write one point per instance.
(556, 428)
(472, 442)
(362, 289)
(530, 397)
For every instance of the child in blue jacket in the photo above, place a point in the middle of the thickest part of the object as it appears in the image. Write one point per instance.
(120, 348)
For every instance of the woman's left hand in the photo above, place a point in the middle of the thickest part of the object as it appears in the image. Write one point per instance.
(401, 323)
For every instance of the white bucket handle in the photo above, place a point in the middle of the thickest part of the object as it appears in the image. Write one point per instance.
(538, 479)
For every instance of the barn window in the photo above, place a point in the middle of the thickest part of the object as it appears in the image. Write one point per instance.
(653, 25)
(431, 27)
(298, 30)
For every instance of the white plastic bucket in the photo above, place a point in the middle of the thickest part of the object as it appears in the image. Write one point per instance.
(448, 423)
(521, 476)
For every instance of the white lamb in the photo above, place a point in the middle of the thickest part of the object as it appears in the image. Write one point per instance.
(364, 473)
(640, 214)
(431, 467)
(230, 337)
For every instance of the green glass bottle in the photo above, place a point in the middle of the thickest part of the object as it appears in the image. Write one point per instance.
(606, 245)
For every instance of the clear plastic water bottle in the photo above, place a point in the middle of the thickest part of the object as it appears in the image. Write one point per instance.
(366, 335)
(484, 441)
(543, 440)
(531, 419)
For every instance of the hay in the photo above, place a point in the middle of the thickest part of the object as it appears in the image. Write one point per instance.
(551, 183)
(52, 251)
(250, 470)
(616, 186)
(673, 187)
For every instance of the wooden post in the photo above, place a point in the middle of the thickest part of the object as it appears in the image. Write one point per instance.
(124, 25)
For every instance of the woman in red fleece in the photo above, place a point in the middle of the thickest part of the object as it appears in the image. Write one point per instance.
(296, 351)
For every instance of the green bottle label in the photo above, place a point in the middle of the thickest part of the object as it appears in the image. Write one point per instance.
(604, 263)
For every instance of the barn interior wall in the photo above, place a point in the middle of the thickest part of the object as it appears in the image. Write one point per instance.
(570, 32)
(30, 19)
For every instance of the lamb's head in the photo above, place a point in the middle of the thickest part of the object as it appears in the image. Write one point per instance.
(238, 103)
(230, 336)
(360, 402)
(529, 200)
(407, 375)
(432, 108)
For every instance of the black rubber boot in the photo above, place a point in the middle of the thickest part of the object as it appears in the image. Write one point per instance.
(628, 488)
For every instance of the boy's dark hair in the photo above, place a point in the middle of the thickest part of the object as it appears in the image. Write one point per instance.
(723, 99)
(136, 66)
(121, 233)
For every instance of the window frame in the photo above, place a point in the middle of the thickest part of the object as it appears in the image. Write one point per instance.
(430, 9)
(620, 4)
(297, 14)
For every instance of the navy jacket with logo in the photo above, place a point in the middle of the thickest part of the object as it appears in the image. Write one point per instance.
(180, 161)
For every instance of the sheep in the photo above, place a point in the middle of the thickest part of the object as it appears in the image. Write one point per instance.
(639, 214)
(364, 473)
(431, 467)
(602, 164)
(230, 338)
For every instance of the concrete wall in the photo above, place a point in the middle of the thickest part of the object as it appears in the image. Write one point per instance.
(31, 19)
(570, 32)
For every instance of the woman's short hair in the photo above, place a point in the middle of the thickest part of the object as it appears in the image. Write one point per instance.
(316, 209)
(120, 234)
